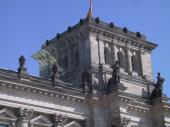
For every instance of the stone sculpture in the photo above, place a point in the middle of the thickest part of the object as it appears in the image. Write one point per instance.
(158, 90)
(54, 73)
(21, 68)
(86, 82)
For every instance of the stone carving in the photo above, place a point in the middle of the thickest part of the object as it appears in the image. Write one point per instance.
(116, 72)
(138, 34)
(60, 120)
(124, 121)
(157, 92)
(111, 25)
(25, 114)
(21, 68)
(86, 82)
(54, 70)
(160, 81)
(115, 79)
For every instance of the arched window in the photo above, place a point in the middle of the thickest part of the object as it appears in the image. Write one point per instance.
(65, 62)
(135, 64)
(75, 56)
(121, 59)
(107, 56)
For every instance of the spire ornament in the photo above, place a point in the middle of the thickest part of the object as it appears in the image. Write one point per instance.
(90, 12)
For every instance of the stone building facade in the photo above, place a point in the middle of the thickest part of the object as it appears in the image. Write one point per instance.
(94, 74)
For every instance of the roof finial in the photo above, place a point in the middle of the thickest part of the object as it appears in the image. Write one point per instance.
(90, 12)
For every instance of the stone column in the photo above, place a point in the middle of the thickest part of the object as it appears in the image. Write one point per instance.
(112, 52)
(115, 52)
(60, 120)
(129, 62)
(24, 117)
(140, 62)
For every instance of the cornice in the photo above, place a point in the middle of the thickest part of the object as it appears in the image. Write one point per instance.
(40, 86)
(108, 35)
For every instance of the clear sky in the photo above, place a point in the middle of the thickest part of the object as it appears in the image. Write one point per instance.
(26, 24)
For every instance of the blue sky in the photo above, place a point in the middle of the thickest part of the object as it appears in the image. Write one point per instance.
(26, 24)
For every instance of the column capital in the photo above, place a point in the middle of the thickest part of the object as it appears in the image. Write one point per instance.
(60, 120)
(25, 114)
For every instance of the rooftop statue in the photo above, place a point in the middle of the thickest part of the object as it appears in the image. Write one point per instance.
(21, 68)
(86, 82)
(115, 79)
(158, 90)
(54, 71)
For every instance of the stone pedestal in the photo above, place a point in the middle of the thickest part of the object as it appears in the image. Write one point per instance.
(158, 112)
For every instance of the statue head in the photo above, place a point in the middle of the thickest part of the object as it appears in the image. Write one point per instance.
(159, 74)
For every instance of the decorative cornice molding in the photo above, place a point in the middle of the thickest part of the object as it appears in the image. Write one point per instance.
(138, 109)
(147, 46)
(44, 92)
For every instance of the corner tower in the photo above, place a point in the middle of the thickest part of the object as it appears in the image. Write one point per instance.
(91, 43)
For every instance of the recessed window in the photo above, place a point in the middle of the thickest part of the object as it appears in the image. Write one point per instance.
(107, 56)
(121, 60)
(135, 64)
(3, 125)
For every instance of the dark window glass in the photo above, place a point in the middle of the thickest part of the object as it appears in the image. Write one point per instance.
(121, 60)
(2, 125)
(107, 56)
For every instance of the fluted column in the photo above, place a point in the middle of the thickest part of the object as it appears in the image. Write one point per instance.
(24, 117)
(60, 120)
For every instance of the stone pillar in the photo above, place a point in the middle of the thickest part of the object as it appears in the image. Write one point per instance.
(112, 52)
(129, 62)
(98, 43)
(115, 52)
(24, 117)
(140, 62)
(158, 112)
(60, 120)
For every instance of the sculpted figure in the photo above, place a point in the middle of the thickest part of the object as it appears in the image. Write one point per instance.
(22, 61)
(54, 72)
(115, 80)
(21, 68)
(158, 90)
(86, 82)
(160, 81)
(116, 73)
